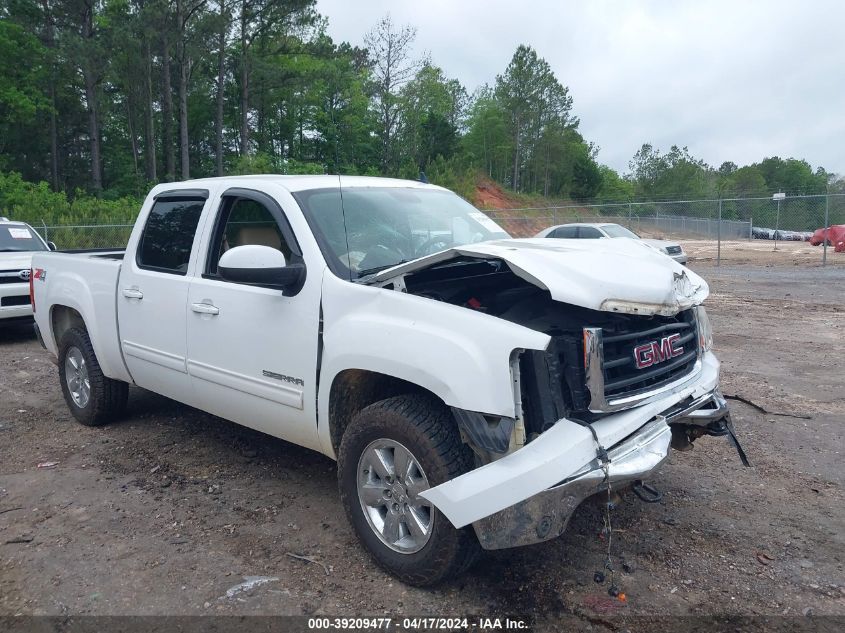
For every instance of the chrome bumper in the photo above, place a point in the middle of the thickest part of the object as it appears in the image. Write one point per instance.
(701, 411)
(546, 515)
(15, 291)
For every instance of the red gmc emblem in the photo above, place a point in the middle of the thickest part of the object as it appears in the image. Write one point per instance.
(658, 351)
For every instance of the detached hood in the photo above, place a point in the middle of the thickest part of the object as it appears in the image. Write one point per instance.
(612, 275)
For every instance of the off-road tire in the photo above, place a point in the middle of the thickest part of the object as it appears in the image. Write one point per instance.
(426, 427)
(107, 399)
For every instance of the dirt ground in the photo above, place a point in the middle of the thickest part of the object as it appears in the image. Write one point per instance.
(167, 511)
(761, 253)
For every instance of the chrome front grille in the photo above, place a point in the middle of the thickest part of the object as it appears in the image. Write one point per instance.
(13, 276)
(613, 376)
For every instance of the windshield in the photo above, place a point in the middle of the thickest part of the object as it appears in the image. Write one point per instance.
(615, 230)
(363, 230)
(19, 237)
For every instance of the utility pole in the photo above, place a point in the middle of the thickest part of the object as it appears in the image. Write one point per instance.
(778, 197)
(719, 236)
(826, 225)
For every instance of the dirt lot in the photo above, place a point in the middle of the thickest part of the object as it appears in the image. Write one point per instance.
(165, 511)
(761, 253)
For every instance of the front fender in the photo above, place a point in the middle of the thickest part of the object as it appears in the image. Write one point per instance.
(461, 356)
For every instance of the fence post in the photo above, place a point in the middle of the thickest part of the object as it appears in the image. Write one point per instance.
(719, 237)
(630, 216)
(826, 228)
(46, 233)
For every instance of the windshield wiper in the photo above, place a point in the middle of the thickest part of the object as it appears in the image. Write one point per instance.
(377, 269)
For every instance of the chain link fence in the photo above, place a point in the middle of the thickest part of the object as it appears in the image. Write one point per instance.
(734, 229)
(86, 236)
(765, 230)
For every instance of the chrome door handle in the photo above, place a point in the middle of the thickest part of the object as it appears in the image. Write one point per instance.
(133, 293)
(205, 308)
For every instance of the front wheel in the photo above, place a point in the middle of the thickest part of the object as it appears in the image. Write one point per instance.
(92, 398)
(391, 452)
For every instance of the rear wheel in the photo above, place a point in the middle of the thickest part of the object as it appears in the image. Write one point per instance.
(391, 452)
(92, 398)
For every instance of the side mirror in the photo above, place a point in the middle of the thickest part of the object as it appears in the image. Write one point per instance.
(52, 246)
(259, 265)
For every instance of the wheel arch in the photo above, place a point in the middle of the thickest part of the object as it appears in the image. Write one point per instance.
(67, 315)
(63, 318)
(354, 389)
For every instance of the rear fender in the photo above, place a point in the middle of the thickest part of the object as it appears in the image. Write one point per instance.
(95, 302)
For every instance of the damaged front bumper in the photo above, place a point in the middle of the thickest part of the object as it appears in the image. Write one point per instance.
(545, 515)
(529, 495)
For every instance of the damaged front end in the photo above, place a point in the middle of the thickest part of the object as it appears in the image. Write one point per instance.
(528, 496)
(627, 373)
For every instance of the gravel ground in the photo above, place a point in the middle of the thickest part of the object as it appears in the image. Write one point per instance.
(761, 253)
(165, 512)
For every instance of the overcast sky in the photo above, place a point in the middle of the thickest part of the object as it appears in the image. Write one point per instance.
(733, 80)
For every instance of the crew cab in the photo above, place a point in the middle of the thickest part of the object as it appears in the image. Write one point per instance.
(474, 389)
(18, 241)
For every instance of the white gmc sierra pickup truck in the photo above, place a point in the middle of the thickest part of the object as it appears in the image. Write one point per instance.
(474, 389)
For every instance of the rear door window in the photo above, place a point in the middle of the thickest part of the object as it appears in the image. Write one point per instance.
(589, 233)
(168, 236)
(566, 232)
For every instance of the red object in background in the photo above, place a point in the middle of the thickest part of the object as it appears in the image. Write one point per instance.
(835, 236)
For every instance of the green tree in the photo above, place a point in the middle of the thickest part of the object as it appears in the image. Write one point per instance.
(744, 181)
(23, 69)
(614, 188)
(265, 27)
(676, 174)
(432, 108)
(792, 176)
(392, 67)
(532, 98)
(345, 124)
(488, 142)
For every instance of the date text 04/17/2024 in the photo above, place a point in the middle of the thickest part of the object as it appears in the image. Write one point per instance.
(419, 624)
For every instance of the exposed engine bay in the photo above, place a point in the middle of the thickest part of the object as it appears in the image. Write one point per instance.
(553, 382)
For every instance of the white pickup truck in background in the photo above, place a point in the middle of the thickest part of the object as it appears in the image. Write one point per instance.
(474, 389)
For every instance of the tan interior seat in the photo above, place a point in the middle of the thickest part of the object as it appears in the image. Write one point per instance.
(259, 235)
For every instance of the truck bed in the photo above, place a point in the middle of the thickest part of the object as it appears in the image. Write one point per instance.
(103, 253)
(84, 281)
